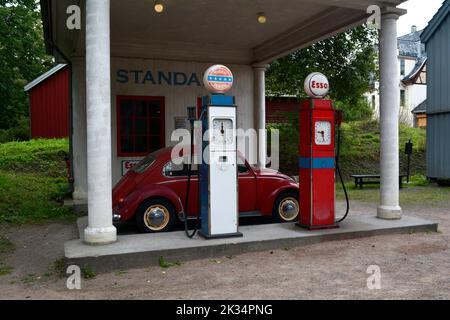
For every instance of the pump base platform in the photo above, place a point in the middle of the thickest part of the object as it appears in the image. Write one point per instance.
(332, 226)
(142, 250)
(221, 236)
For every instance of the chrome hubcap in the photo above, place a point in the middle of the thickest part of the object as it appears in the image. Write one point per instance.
(288, 209)
(156, 217)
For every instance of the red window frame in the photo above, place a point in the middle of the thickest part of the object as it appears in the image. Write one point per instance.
(162, 118)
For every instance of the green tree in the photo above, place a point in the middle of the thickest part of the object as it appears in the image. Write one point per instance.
(22, 57)
(347, 59)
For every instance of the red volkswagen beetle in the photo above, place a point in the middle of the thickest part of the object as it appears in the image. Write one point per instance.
(153, 193)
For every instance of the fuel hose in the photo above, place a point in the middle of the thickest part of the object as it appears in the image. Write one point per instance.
(188, 189)
(338, 169)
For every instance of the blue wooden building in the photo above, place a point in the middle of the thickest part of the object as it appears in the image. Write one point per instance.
(437, 40)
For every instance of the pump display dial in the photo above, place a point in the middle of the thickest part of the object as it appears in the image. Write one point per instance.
(222, 131)
(322, 133)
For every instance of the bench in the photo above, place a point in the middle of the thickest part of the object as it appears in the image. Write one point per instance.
(362, 179)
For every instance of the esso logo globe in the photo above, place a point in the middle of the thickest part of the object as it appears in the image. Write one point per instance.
(218, 79)
(316, 85)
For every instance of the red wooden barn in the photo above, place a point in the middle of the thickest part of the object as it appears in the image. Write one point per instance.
(49, 103)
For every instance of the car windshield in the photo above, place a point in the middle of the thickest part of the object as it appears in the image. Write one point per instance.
(144, 164)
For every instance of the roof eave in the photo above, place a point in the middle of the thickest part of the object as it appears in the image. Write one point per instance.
(46, 15)
(44, 77)
(412, 77)
(435, 22)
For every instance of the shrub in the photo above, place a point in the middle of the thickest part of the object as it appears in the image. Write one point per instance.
(21, 132)
(419, 180)
(443, 182)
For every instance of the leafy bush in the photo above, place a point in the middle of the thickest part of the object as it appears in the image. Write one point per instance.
(417, 135)
(356, 109)
(419, 180)
(20, 132)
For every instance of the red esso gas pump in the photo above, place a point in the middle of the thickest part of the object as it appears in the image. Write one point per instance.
(317, 156)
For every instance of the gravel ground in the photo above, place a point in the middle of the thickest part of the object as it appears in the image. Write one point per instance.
(413, 266)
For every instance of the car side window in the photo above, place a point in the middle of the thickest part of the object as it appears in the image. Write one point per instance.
(242, 169)
(171, 169)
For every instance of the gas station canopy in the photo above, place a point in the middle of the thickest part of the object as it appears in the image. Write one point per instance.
(224, 30)
(119, 38)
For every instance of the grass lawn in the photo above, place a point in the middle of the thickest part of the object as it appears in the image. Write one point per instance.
(419, 193)
(33, 181)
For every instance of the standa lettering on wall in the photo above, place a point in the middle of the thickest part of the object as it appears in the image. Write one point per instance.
(170, 78)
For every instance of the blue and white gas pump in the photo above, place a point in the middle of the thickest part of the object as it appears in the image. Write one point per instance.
(218, 194)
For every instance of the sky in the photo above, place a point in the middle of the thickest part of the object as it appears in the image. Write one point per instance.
(419, 13)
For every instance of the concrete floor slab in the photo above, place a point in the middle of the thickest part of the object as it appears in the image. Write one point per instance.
(139, 250)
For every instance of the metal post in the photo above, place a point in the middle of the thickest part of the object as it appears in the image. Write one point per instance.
(408, 151)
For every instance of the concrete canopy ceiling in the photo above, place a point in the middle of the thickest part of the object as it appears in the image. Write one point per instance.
(230, 22)
(225, 30)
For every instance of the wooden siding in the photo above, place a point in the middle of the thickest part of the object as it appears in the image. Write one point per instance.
(438, 110)
(49, 107)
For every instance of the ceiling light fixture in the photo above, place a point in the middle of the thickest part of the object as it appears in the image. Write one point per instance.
(159, 7)
(262, 18)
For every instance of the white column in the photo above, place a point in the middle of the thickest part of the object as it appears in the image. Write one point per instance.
(98, 115)
(259, 76)
(389, 207)
(79, 130)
